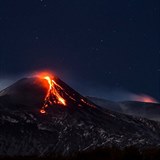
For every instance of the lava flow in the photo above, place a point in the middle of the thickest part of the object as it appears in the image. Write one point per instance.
(52, 95)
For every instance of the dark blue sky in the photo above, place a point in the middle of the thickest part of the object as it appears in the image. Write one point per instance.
(102, 43)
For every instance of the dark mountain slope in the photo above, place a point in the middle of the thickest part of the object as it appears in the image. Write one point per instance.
(139, 109)
(76, 126)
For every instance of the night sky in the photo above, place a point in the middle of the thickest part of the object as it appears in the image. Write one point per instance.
(94, 44)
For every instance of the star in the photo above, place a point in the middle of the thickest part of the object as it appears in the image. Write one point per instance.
(36, 37)
(114, 31)
(101, 40)
(107, 73)
(130, 68)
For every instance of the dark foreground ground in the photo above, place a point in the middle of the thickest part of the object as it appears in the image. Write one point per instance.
(130, 153)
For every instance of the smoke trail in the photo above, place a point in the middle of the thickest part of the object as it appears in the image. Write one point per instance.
(118, 95)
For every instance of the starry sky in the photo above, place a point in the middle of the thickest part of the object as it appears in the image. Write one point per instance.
(94, 44)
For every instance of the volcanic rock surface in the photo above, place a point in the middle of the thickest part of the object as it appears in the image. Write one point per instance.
(76, 126)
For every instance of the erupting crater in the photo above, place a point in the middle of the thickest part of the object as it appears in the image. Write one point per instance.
(60, 94)
(45, 91)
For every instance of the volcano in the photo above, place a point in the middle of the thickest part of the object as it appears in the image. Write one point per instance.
(44, 93)
(43, 115)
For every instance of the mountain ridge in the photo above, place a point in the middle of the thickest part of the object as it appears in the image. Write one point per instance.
(135, 108)
(66, 129)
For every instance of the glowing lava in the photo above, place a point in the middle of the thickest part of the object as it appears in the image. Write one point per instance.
(52, 95)
(42, 111)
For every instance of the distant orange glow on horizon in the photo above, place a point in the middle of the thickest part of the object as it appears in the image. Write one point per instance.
(144, 98)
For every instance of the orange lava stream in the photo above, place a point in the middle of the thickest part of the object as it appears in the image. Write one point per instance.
(52, 95)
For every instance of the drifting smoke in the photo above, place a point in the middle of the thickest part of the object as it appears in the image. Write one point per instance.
(4, 83)
(144, 98)
(7, 80)
(118, 95)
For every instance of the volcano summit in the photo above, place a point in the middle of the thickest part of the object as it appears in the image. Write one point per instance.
(43, 115)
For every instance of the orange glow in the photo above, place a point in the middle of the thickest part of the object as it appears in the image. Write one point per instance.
(82, 100)
(148, 99)
(42, 111)
(145, 98)
(55, 93)
(49, 81)
(52, 95)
